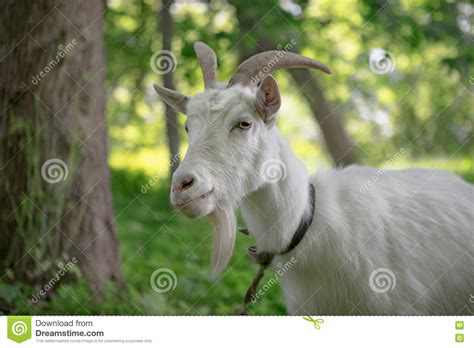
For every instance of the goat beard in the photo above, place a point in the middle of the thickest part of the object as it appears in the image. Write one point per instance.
(224, 224)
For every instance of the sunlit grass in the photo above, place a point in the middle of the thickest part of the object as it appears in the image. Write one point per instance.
(461, 166)
(149, 161)
(154, 162)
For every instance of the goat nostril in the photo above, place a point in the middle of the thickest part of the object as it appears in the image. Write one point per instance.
(182, 182)
(187, 183)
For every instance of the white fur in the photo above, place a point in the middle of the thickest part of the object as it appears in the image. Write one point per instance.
(416, 223)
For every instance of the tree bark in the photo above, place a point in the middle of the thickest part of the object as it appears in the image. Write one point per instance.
(339, 145)
(166, 29)
(52, 105)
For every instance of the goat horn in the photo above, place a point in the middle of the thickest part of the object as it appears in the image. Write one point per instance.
(254, 69)
(208, 61)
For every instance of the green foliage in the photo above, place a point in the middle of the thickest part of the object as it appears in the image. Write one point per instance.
(424, 105)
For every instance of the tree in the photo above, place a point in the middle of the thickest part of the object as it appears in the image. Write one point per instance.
(166, 29)
(55, 201)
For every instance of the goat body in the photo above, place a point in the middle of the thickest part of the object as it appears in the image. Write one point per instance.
(402, 245)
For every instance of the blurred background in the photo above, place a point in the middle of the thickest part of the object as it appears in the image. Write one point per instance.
(401, 95)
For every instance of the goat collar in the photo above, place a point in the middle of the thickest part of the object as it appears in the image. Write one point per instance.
(264, 258)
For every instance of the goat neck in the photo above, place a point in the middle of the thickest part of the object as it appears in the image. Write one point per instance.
(272, 212)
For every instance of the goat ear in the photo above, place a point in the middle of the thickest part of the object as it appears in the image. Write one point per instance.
(268, 99)
(174, 99)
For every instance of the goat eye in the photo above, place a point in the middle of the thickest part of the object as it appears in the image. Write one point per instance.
(245, 125)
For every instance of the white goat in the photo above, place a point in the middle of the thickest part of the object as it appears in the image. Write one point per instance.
(403, 245)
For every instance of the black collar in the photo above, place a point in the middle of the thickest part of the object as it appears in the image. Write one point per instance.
(264, 258)
(305, 222)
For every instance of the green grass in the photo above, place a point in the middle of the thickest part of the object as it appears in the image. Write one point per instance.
(153, 236)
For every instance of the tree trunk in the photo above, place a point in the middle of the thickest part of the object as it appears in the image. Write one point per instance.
(328, 117)
(166, 29)
(55, 198)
